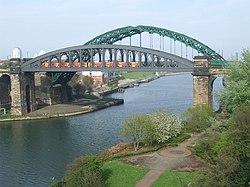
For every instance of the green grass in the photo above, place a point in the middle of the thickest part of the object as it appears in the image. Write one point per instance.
(137, 75)
(175, 179)
(117, 174)
(87, 96)
(8, 115)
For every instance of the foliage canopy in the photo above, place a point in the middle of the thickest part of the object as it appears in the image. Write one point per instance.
(237, 90)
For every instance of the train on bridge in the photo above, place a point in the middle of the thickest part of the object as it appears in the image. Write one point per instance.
(56, 64)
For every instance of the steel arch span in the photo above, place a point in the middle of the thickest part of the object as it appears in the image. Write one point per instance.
(110, 58)
(113, 36)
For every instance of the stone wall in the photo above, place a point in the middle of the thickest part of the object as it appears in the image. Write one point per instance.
(5, 100)
(42, 89)
(202, 80)
(22, 93)
(16, 103)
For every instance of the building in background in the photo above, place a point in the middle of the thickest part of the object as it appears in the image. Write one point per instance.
(40, 53)
(97, 76)
(17, 53)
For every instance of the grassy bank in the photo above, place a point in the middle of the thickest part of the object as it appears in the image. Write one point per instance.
(8, 115)
(137, 75)
(175, 179)
(117, 174)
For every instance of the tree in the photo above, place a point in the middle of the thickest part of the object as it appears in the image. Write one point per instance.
(167, 125)
(149, 128)
(138, 129)
(84, 172)
(88, 83)
(230, 153)
(74, 80)
(78, 89)
(237, 90)
(199, 117)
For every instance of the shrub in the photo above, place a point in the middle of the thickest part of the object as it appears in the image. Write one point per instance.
(229, 153)
(204, 146)
(85, 171)
(167, 125)
(237, 90)
(148, 129)
(240, 131)
(199, 118)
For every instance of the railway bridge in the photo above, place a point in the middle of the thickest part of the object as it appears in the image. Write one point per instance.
(107, 53)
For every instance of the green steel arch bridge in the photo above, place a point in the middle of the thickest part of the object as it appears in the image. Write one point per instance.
(62, 64)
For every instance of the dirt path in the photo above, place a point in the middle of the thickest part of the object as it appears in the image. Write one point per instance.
(178, 158)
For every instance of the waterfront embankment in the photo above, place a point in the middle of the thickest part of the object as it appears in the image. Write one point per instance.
(80, 106)
(128, 83)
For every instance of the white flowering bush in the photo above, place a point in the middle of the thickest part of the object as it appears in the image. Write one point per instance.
(167, 125)
(150, 128)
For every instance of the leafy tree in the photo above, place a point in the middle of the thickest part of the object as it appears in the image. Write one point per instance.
(237, 90)
(84, 172)
(88, 83)
(158, 127)
(77, 86)
(240, 131)
(199, 117)
(138, 129)
(230, 153)
(78, 89)
(167, 125)
(74, 80)
(230, 166)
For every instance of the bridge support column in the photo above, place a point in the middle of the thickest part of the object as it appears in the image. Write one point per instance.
(22, 93)
(202, 79)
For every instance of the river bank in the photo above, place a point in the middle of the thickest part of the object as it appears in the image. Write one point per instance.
(80, 106)
(129, 83)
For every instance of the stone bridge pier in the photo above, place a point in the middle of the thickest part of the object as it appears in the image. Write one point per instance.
(22, 92)
(203, 78)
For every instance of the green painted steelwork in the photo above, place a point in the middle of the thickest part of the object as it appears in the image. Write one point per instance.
(118, 34)
(113, 36)
(55, 77)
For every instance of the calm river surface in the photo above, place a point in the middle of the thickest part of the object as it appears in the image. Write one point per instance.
(32, 152)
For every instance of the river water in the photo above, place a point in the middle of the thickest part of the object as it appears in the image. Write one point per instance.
(31, 152)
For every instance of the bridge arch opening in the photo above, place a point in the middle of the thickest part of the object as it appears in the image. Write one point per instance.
(216, 86)
(55, 62)
(97, 57)
(119, 56)
(107, 55)
(5, 87)
(143, 59)
(137, 57)
(27, 94)
(64, 58)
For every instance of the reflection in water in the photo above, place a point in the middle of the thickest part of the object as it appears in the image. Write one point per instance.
(32, 152)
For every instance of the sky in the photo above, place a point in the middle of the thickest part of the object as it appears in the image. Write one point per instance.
(37, 25)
